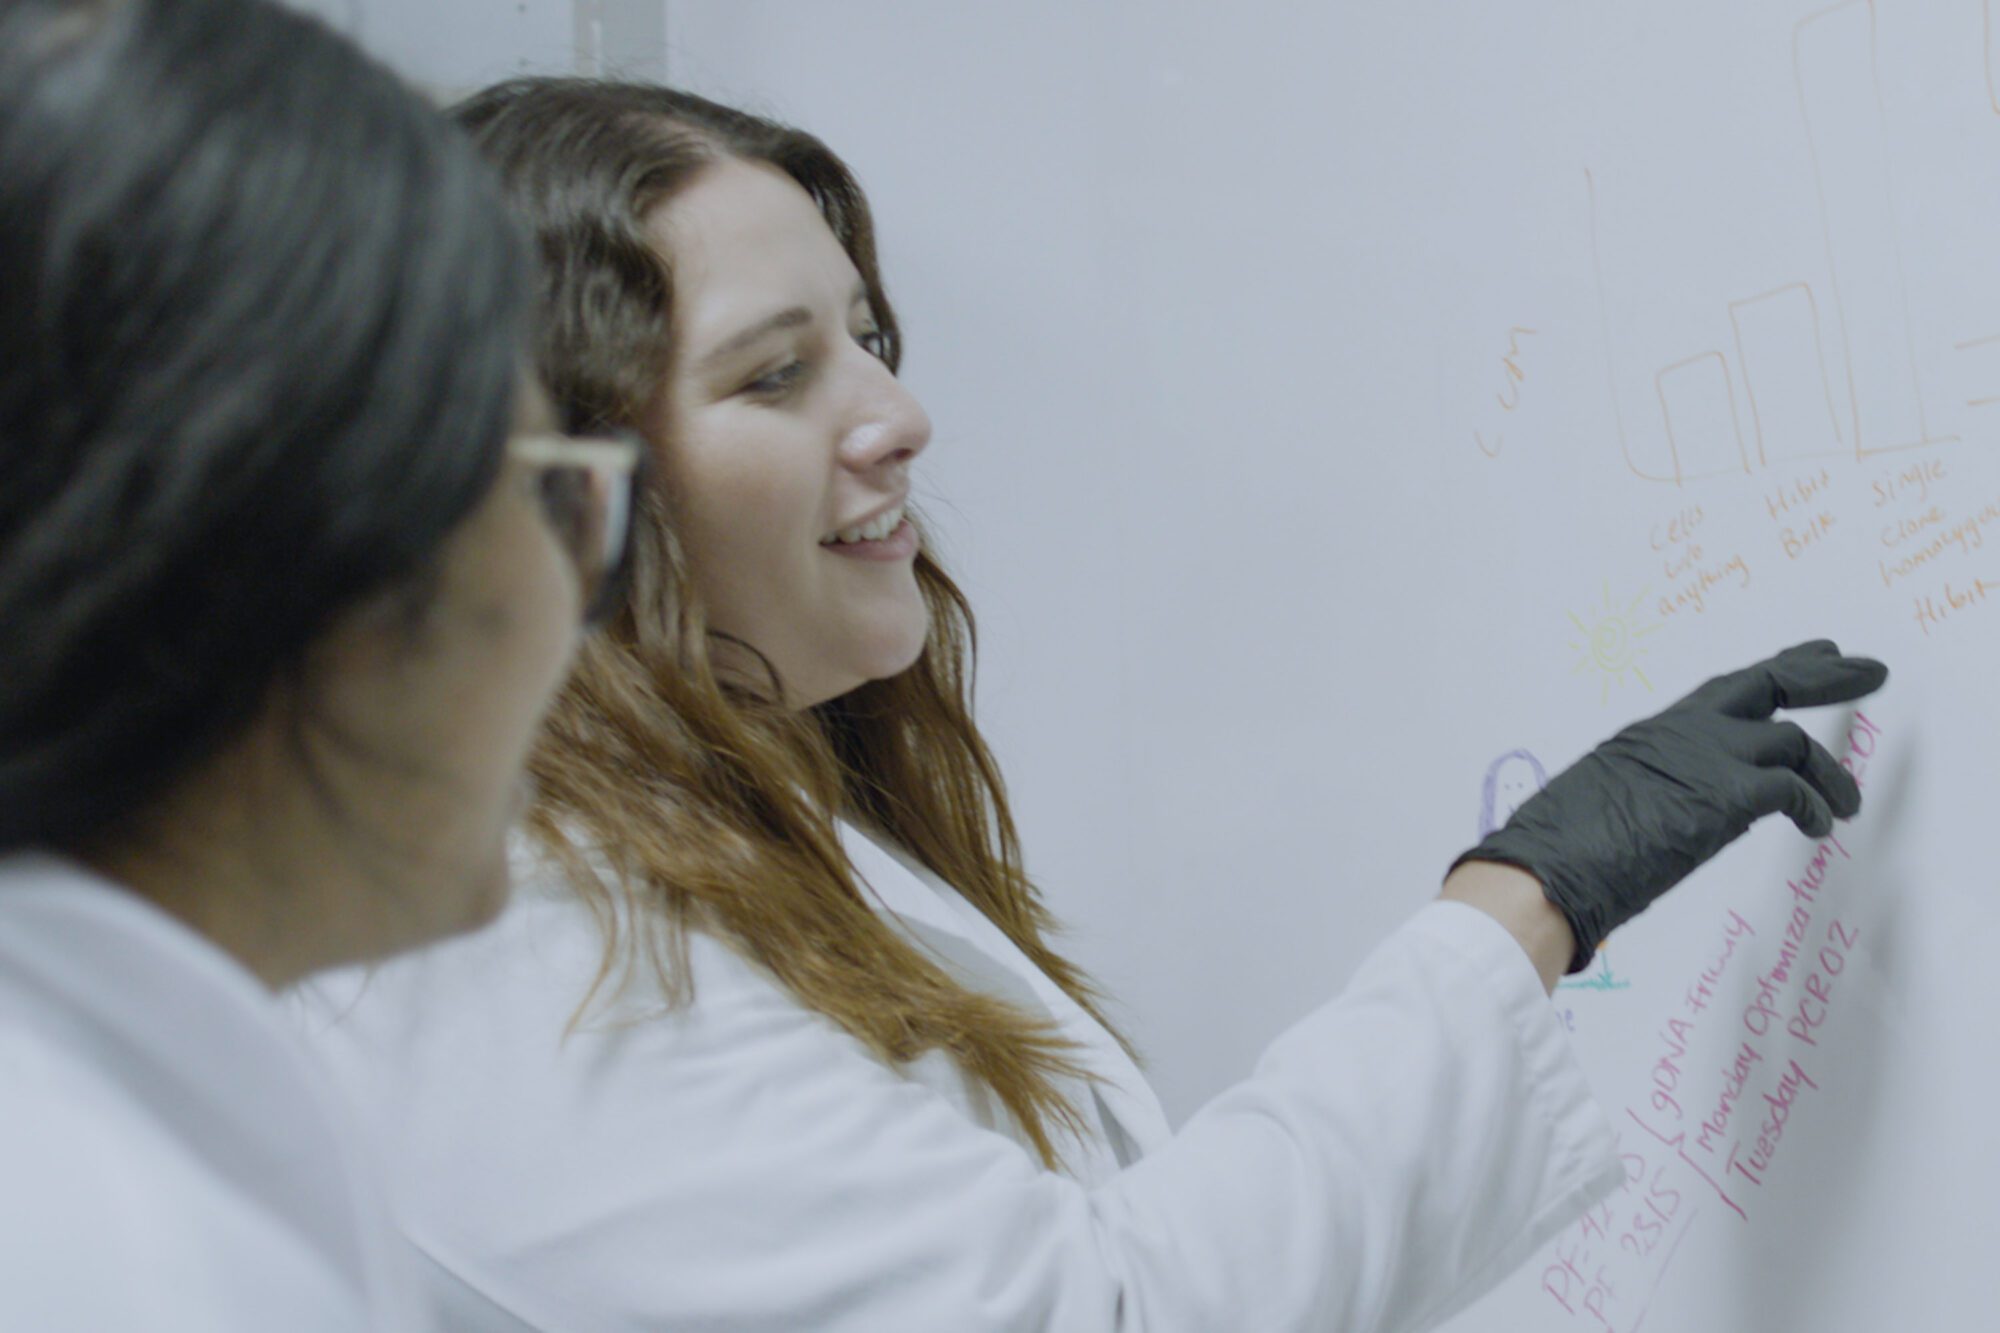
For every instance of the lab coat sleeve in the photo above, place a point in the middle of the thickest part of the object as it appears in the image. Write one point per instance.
(745, 1165)
(1393, 1155)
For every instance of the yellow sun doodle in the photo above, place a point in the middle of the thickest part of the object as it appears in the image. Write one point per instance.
(1611, 646)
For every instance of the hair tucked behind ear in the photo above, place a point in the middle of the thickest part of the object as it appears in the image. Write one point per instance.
(712, 804)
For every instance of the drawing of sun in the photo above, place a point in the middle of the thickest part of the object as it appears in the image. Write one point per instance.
(1611, 646)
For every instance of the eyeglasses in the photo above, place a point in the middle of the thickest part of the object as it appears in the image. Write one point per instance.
(586, 488)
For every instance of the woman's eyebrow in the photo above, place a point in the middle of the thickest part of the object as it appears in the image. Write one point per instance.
(736, 342)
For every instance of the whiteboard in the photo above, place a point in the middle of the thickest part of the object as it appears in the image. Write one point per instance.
(1346, 415)
(452, 47)
(1346, 412)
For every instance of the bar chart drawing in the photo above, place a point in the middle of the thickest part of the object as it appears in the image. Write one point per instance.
(1847, 133)
(1785, 382)
(1830, 366)
(1704, 432)
(1605, 340)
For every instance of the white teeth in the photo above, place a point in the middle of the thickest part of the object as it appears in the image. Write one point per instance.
(870, 532)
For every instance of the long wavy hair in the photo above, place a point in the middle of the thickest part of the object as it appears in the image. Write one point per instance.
(674, 794)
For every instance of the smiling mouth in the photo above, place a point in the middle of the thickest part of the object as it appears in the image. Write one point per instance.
(873, 531)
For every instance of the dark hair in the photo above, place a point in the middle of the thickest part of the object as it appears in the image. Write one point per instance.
(262, 327)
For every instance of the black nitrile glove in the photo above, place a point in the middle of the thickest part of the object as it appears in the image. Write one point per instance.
(1635, 816)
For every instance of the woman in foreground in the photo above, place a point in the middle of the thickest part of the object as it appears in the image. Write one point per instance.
(290, 570)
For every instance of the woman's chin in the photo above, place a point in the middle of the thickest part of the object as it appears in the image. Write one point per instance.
(877, 667)
(891, 648)
(903, 651)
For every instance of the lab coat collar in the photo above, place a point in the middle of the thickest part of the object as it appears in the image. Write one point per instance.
(888, 876)
(895, 881)
(189, 1033)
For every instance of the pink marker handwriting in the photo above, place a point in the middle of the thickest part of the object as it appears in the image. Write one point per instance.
(1721, 1091)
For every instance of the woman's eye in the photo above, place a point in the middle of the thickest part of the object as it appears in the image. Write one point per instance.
(875, 343)
(777, 383)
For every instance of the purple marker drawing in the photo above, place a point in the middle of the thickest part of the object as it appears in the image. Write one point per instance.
(1510, 781)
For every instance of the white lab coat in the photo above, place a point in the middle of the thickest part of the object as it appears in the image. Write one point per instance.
(168, 1161)
(742, 1164)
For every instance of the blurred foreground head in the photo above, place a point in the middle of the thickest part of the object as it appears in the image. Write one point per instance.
(262, 329)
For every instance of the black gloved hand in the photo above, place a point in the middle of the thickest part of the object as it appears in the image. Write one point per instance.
(1635, 816)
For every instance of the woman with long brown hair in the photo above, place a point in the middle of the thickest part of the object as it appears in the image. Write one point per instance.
(777, 1038)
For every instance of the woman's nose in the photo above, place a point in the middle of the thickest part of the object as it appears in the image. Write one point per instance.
(891, 426)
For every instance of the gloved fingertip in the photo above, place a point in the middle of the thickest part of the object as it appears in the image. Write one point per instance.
(1868, 672)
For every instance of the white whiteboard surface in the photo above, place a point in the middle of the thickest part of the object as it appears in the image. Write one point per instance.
(1333, 400)
(451, 47)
